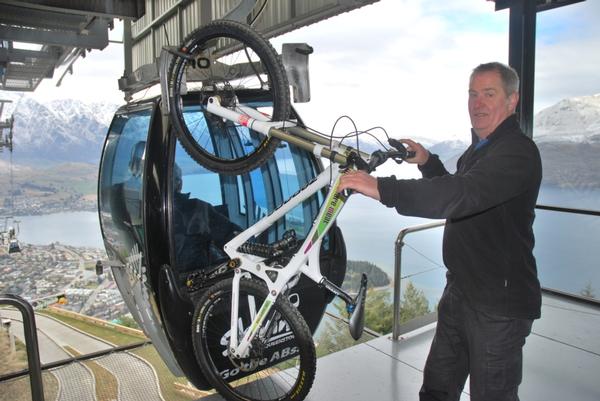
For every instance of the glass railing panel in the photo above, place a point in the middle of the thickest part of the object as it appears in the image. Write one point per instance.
(423, 273)
(567, 252)
(333, 335)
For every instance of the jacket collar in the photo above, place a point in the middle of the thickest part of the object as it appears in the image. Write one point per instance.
(510, 124)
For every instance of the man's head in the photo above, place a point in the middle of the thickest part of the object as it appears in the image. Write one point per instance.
(493, 96)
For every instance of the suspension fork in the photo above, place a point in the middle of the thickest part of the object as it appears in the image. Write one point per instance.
(241, 349)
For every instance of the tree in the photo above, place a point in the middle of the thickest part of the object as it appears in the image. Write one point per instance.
(378, 317)
(588, 291)
(414, 303)
(379, 311)
(335, 336)
(128, 321)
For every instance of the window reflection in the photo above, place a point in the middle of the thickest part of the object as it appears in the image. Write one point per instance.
(219, 206)
(121, 180)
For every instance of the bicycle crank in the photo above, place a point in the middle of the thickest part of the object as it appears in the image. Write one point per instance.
(357, 310)
(355, 307)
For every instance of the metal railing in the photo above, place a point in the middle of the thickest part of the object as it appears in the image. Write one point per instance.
(418, 322)
(399, 328)
(31, 342)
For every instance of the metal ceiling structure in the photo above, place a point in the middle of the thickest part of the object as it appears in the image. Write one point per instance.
(38, 36)
(168, 22)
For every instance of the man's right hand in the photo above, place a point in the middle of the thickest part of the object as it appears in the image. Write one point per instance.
(421, 154)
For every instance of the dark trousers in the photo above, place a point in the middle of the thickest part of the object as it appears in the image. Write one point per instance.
(466, 341)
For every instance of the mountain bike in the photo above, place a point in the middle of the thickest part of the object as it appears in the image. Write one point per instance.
(268, 352)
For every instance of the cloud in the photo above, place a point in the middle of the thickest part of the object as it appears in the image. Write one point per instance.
(567, 53)
(402, 64)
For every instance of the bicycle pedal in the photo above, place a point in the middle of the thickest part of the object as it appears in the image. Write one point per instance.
(356, 323)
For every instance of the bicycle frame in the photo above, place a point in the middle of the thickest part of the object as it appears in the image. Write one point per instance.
(306, 259)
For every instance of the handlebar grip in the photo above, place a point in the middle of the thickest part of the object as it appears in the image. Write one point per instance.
(405, 154)
(398, 145)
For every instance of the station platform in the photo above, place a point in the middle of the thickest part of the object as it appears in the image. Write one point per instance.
(561, 361)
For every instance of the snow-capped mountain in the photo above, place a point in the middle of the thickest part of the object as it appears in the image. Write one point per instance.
(576, 119)
(567, 133)
(59, 130)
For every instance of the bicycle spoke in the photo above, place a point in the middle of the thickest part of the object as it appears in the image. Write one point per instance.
(227, 60)
(282, 350)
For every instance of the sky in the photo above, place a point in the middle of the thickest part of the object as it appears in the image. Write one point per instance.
(400, 64)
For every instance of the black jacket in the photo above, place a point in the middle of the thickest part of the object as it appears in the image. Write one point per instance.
(489, 206)
(200, 232)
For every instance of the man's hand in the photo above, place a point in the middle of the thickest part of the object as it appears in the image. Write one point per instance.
(360, 181)
(421, 154)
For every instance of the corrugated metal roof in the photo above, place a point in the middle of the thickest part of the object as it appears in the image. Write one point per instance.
(168, 22)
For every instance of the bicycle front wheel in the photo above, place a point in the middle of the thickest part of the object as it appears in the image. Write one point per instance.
(282, 362)
(230, 60)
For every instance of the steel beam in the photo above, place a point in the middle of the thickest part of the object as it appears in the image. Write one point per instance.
(24, 56)
(94, 37)
(541, 5)
(131, 9)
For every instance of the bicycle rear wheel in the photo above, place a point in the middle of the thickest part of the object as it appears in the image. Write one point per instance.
(282, 361)
(230, 60)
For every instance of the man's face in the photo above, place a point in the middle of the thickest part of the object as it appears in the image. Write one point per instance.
(488, 103)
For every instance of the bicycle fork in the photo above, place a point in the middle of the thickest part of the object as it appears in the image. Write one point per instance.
(241, 349)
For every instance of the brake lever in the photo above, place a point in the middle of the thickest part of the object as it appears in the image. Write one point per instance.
(404, 154)
(397, 156)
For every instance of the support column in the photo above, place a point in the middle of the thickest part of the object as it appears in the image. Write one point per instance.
(521, 56)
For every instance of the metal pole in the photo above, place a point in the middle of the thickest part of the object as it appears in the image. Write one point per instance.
(521, 56)
(33, 351)
(398, 270)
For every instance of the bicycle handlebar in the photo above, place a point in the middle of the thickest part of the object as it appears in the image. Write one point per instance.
(317, 144)
(398, 155)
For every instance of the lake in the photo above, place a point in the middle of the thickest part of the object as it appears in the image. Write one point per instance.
(566, 249)
(69, 228)
(567, 245)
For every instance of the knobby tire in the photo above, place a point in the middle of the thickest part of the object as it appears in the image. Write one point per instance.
(232, 154)
(285, 380)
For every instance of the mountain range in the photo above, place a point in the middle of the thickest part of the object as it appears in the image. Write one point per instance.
(56, 131)
(71, 131)
(568, 137)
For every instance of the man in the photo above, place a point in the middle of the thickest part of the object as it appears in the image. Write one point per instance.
(199, 230)
(492, 292)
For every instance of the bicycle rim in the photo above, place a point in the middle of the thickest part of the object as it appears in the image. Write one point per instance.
(228, 58)
(282, 363)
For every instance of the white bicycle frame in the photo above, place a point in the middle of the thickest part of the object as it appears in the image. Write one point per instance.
(306, 259)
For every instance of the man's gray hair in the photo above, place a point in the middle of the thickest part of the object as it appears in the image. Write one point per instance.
(508, 75)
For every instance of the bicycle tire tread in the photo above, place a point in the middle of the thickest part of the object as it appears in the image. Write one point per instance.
(279, 89)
